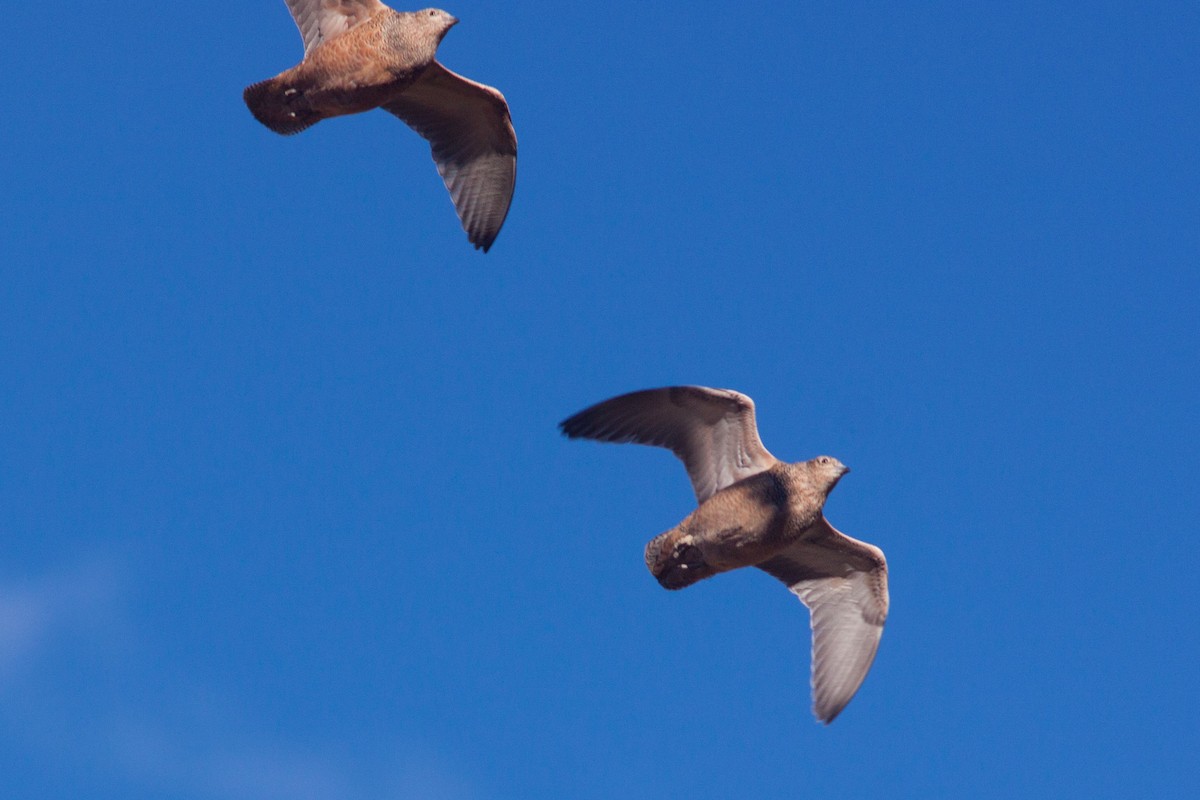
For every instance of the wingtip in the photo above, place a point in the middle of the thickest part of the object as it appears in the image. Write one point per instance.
(565, 428)
(827, 715)
(482, 243)
(826, 720)
(575, 426)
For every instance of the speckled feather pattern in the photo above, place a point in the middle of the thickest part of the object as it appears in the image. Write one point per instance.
(755, 510)
(361, 55)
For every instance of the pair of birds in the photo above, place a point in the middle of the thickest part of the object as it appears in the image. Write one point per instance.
(754, 510)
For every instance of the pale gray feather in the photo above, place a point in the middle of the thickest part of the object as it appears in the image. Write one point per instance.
(319, 20)
(474, 145)
(844, 584)
(712, 431)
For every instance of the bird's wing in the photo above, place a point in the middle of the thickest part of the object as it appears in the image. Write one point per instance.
(844, 584)
(711, 430)
(319, 20)
(474, 145)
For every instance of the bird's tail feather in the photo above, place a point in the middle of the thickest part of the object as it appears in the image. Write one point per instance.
(675, 561)
(279, 107)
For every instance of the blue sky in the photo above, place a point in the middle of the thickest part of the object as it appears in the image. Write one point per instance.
(283, 508)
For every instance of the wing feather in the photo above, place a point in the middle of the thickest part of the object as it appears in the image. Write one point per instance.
(844, 584)
(713, 431)
(319, 20)
(470, 133)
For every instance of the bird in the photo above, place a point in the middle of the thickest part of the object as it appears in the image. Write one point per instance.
(360, 55)
(756, 511)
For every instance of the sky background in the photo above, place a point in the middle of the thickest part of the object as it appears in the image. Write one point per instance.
(283, 509)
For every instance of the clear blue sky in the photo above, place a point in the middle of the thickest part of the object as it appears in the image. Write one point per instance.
(283, 509)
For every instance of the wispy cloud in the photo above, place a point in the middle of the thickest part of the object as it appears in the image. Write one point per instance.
(218, 762)
(35, 612)
(239, 767)
(193, 742)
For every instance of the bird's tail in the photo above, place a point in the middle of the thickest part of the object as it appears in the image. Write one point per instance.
(280, 106)
(675, 561)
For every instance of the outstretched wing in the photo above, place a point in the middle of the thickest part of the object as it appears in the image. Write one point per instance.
(711, 430)
(474, 145)
(319, 20)
(844, 584)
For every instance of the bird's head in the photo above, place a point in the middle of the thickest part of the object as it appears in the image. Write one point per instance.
(828, 470)
(437, 20)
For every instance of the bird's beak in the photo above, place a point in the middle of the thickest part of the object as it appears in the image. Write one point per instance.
(845, 469)
(453, 21)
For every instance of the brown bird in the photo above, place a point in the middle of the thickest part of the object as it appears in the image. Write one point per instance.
(360, 55)
(756, 511)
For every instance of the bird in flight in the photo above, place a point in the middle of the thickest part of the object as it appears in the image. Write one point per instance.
(360, 55)
(756, 511)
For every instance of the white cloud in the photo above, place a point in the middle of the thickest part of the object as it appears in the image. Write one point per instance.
(214, 763)
(220, 762)
(233, 768)
(34, 612)
(191, 742)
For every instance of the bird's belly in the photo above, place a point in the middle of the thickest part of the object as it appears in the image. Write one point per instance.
(352, 97)
(731, 548)
(335, 83)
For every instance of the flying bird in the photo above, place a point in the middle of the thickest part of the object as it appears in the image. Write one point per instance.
(360, 55)
(756, 511)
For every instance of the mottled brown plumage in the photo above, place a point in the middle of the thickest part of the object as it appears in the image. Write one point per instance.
(745, 523)
(360, 55)
(756, 511)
